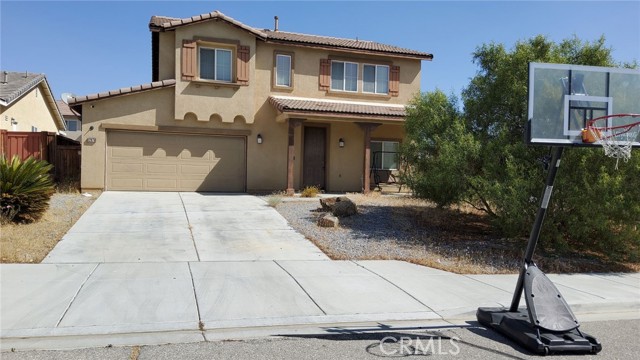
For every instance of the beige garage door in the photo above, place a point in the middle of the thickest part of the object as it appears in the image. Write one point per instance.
(175, 162)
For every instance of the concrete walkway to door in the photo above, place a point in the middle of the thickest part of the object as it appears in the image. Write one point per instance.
(171, 227)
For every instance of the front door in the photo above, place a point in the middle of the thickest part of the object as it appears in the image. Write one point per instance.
(313, 171)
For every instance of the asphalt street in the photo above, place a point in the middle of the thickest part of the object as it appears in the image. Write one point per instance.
(619, 340)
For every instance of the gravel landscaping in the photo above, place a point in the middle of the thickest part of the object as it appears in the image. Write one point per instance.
(402, 228)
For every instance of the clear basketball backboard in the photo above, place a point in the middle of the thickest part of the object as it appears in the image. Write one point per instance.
(563, 98)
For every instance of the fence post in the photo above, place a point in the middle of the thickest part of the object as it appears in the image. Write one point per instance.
(4, 146)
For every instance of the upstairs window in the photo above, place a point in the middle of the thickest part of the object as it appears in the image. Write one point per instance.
(344, 76)
(283, 70)
(375, 79)
(216, 64)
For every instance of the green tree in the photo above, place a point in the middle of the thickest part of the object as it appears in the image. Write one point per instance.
(438, 147)
(593, 205)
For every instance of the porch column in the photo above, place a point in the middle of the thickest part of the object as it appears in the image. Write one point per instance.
(293, 124)
(367, 127)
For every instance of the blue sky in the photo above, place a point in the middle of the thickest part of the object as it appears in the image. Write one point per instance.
(91, 46)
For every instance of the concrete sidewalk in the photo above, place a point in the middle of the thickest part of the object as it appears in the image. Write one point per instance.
(154, 268)
(55, 306)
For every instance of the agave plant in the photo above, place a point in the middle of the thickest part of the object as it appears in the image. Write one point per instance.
(25, 189)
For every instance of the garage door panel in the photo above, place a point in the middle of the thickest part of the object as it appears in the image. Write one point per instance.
(162, 184)
(124, 167)
(126, 152)
(195, 169)
(169, 169)
(175, 162)
(127, 183)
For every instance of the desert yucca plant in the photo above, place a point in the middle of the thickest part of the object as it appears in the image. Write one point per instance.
(25, 189)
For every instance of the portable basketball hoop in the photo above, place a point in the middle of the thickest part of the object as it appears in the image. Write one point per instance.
(616, 133)
(569, 105)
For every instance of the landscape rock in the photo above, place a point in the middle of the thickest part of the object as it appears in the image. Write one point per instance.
(327, 204)
(344, 207)
(340, 206)
(328, 221)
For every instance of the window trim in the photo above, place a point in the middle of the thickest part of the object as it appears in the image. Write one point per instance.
(217, 48)
(375, 78)
(382, 158)
(274, 83)
(344, 74)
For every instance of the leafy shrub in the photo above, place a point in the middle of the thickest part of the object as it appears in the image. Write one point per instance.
(310, 191)
(25, 189)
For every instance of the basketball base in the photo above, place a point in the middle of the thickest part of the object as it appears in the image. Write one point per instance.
(517, 327)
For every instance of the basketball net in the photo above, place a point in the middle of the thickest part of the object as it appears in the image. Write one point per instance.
(616, 140)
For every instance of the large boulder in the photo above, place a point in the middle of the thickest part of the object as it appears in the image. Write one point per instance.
(328, 221)
(340, 206)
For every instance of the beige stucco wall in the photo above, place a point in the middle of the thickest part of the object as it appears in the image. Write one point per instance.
(30, 110)
(206, 99)
(306, 63)
(166, 55)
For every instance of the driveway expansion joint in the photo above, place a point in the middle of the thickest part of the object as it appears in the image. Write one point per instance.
(398, 287)
(301, 287)
(190, 227)
(76, 295)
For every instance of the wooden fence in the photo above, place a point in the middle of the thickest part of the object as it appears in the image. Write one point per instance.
(61, 152)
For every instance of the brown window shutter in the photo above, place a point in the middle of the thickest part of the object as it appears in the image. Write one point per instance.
(189, 59)
(325, 74)
(394, 81)
(243, 65)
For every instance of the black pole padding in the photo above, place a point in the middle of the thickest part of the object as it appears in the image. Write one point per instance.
(537, 225)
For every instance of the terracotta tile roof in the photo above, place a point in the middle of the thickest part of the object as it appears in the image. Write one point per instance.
(65, 110)
(123, 91)
(17, 84)
(337, 107)
(355, 44)
(163, 23)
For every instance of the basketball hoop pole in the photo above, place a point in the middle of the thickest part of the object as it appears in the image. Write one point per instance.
(537, 226)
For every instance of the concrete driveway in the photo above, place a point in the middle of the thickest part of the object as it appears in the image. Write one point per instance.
(170, 227)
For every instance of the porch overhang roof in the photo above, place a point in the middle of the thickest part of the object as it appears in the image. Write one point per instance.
(289, 106)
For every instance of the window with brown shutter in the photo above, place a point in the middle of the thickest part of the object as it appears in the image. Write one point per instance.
(325, 74)
(394, 81)
(189, 60)
(243, 65)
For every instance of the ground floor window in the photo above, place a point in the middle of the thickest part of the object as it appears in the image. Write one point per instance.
(384, 155)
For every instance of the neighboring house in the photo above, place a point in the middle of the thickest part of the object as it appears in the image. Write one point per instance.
(233, 108)
(72, 120)
(27, 104)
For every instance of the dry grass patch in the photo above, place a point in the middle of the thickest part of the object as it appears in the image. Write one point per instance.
(30, 243)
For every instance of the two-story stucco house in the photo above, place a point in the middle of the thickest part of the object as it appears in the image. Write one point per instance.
(233, 108)
(27, 103)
